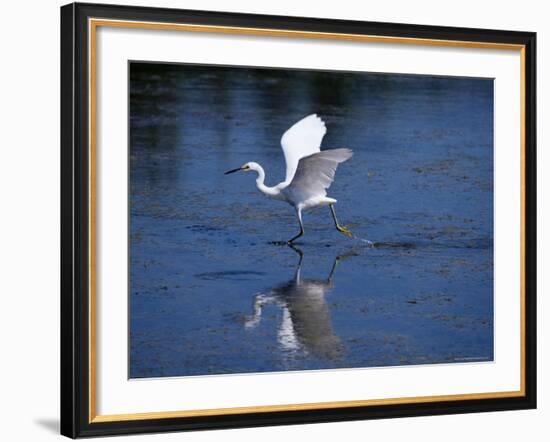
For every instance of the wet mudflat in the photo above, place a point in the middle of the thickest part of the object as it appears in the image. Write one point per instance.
(210, 293)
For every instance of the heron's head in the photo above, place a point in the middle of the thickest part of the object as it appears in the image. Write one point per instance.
(244, 168)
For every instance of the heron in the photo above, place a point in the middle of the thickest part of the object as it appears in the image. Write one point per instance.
(309, 171)
(306, 324)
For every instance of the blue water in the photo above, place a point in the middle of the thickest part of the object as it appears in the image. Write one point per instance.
(210, 293)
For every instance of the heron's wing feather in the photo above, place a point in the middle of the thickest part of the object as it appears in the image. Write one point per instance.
(315, 173)
(302, 139)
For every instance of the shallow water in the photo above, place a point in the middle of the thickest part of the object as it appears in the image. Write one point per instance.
(211, 294)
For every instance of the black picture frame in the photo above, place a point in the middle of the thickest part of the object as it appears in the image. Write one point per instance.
(75, 220)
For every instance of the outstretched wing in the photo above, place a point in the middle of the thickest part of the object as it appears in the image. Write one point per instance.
(302, 139)
(315, 173)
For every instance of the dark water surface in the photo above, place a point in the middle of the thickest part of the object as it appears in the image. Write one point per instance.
(210, 294)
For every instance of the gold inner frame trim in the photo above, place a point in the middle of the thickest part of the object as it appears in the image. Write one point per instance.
(93, 23)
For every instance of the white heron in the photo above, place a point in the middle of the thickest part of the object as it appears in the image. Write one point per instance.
(306, 324)
(309, 171)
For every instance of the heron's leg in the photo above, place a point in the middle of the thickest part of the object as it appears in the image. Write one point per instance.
(299, 213)
(337, 261)
(340, 228)
(333, 269)
(297, 273)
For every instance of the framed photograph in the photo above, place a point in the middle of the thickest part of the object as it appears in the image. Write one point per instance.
(279, 220)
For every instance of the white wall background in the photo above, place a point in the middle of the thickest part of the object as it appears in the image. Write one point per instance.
(29, 234)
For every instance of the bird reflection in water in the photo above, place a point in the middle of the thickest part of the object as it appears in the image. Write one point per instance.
(306, 326)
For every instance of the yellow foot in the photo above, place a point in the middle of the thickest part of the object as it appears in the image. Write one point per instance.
(345, 231)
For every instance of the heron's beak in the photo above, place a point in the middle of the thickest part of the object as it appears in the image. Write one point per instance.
(233, 170)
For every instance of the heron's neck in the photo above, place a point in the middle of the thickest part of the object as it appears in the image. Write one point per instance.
(266, 190)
